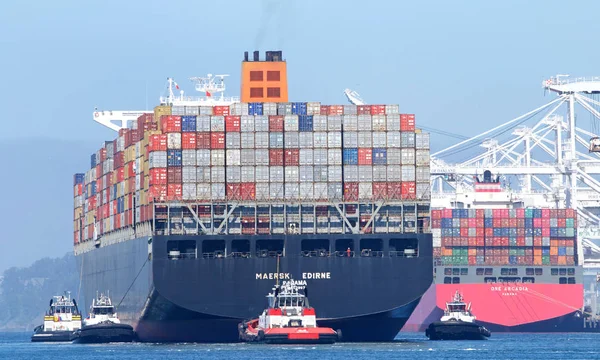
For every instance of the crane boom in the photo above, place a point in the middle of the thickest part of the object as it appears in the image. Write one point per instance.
(353, 97)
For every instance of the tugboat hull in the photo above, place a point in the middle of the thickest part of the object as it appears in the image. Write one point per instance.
(456, 330)
(52, 336)
(104, 333)
(289, 335)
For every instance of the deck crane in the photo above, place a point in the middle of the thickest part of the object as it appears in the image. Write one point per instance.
(353, 97)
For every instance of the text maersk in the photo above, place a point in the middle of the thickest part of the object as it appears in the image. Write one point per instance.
(287, 276)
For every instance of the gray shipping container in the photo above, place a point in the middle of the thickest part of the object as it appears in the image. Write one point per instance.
(203, 174)
(188, 157)
(334, 122)
(351, 173)
(233, 157)
(334, 139)
(120, 144)
(394, 156)
(233, 174)
(306, 191)
(262, 192)
(276, 191)
(350, 139)
(203, 157)
(334, 173)
(320, 123)
(247, 140)
(320, 139)
(238, 109)
(292, 191)
(320, 156)
(393, 122)
(365, 173)
(394, 173)
(261, 123)
(320, 190)
(217, 157)
(270, 108)
(173, 141)
(248, 174)
(379, 122)
(291, 174)
(276, 140)
(350, 122)
(157, 159)
(320, 173)
(335, 191)
(262, 174)
(232, 140)
(379, 139)
(365, 191)
(350, 109)
(217, 174)
(423, 173)
(393, 139)
(408, 172)
(306, 157)
(290, 123)
(217, 191)
(424, 191)
(203, 123)
(188, 191)
(284, 108)
(247, 157)
(306, 173)
(392, 109)
(206, 110)
(305, 140)
(276, 174)
(217, 123)
(290, 140)
(247, 123)
(408, 156)
(379, 173)
(365, 123)
(422, 157)
(313, 108)
(408, 139)
(261, 157)
(334, 157)
(365, 139)
(261, 140)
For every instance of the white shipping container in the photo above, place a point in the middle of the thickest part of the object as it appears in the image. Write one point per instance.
(247, 157)
(233, 157)
(379, 122)
(365, 139)
(247, 123)
(188, 174)
(217, 123)
(365, 123)
(238, 109)
(276, 191)
(261, 122)
(423, 173)
(290, 123)
(334, 173)
(174, 141)
(394, 173)
(320, 156)
(217, 174)
(313, 108)
(306, 191)
(351, 173)
(350, 109)
(120, 144)
(422, 157)
(203, 157)
(232, 140)
(334, 157)
(408, 156)
(393, 122)
(206, 110)
(248, 174)
(261, 140)
(423, 190)
(320, 139)
(138, 149)
(292, 191)
(262, 174)
(157, 159)
(233, 174)
(217, 191)
(407, 139)
(188, 191)
(392, 109)
(203, 123)
(188, 157)
(393, 139)
(379, 139)
(365, 191)
(422, 141)
(291, 174)
(247, 140)
(138, 182)
(276, 140)
(350, 122)
(291, 140)
(270, 108)
(394, 156)
(276, 174)
(408, 172)
(306, 173)
(320, 190)
(262, 191)
(334, 139)
(203, 174)
(261, 157)
(203, 191)
(305, 140)
(350, 139)
(320, 173)
(379, 173)
(334, 122)
(320, 123)
(335, 191)
(306, 157)
(365, 173)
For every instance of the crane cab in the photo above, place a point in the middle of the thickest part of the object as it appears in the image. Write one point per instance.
(595, 144)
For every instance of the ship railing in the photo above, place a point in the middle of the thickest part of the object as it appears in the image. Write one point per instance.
(371, 253)
(214, 255)
(403, 253)
(239, 254)
(344, 253)
(267, 253)
(316, 253)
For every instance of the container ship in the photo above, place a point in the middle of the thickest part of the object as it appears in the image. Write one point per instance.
(196, 209)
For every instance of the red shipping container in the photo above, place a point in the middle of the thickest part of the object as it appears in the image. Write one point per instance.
(157, 142)
(174, 175)
(365, 156)
(122, 132)
(143, 120)
(409, 190)
(520, 223)
(129, 173)
(102, 155)
(497, 214)
(248, 191)
(407, 122)
(545, 231)
(480, 241)
(447, 214)
(562, 222)
(545, 222)
(188, 140)
(158, 176)
(233, 191)
(569, 213)
(120, 175)
(115, 207)
(545, 213)
(276, 157)
(129, 137)
(170, 123)
(471, 222)
(324, 109)
(221, 110)
(512, 222)
(380, 192)
(480, 213)
(291, 157)
(351, 191)
(480, 231)
(464, 223)
(203, 140)
(435, 223)
(363, 109)
(377, 109)
(117, 221)
(78, 189)
(537, 222)
(520, 241)
(335, 110)
(232, 123)
(480, 223)
(276, 123)
(520, 231)
(435, 214)
(472, 241)
(108, 182)
(131, 186)
(489, 231)
(174, 192)
(217, 140)
(394, 190)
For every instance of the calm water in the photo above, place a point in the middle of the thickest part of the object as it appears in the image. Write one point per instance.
(408, 346)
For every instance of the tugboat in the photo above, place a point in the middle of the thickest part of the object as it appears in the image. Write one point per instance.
(289, 319)
(60, 321)
(458, 323)
(102, 324)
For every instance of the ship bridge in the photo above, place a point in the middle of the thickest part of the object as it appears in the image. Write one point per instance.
(589, 85)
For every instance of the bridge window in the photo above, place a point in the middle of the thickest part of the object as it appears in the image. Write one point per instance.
(509, 271)
(539, 271)
(509, 279)
(315, 247)
(273, 75)
(213, 249)
(489, 280)
(570, 271)
(571, 280)
(529, 271)
(371, 247)
(464, 271)
(455, 271)
(273, 92)
(447, 271)
(256, 92)
(240, 248)
(269, 248)
(562, 280)
(342, 246)
(489, 271)
(456, 280)
(528, 280)
(447, 280)
(479, 271)
(554, 272)
(181, 249)
(562, 271)
(256, 76)
(404, 247)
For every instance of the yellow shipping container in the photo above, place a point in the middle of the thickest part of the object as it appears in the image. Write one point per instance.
(143, 198)
(160, 111)
(78, 213)
(130, 154)
(126, 203)
(90, 217)
(125, 188)
(76, 225)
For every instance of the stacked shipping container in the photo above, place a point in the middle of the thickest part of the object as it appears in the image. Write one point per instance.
(257, 152)
(505, 237)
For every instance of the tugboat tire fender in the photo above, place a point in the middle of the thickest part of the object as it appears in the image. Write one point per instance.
(261, 335)
(339, 334)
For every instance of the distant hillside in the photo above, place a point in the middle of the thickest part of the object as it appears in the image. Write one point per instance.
(26, 292)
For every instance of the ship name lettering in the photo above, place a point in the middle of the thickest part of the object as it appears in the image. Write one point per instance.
(272, 276)
(317, 276)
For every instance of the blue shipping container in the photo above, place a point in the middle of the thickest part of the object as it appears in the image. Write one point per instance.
(93, 188)
(113, 191)
(446, 223)
(93, 161)
(255, 108)
(512, 259)
(488, 223)
(545, 251)
(529, 223)
(513, 232)
(350, 156)
(305, 122)
(188, 123)
(299, 108)
(174, 158)
(379, 156)
(537, 213)
(562, 251)
(79, 178)
(553, 232)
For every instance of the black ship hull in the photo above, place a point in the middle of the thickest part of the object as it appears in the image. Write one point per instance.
(104, 333)
(456, 330)
(203, 299)
(52, 336)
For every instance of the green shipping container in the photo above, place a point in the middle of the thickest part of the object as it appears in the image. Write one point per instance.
(528, 213)
(570, 223)
(570, 232)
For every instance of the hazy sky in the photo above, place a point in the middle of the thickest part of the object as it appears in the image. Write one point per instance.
(460, 66)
